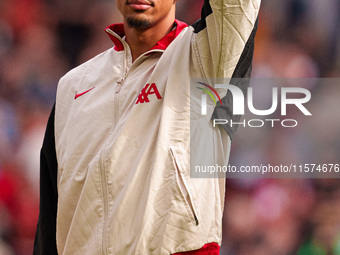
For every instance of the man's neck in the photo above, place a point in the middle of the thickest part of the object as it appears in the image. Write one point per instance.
(140, 41)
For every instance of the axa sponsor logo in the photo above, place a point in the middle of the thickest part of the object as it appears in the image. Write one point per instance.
(149, 91)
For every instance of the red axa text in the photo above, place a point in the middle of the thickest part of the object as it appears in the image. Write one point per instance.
(148, 90)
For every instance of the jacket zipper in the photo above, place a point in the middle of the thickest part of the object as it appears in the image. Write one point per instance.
(120, 83)
(106, 204)
(125, 71)
(103, 172)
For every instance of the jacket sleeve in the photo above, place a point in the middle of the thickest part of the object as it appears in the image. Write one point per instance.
(222, 33)
(225, 42)
(45, 238)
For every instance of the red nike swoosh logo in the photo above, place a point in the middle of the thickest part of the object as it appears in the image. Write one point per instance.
(83, 93)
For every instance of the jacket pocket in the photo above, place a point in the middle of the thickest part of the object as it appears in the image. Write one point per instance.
(183, 186)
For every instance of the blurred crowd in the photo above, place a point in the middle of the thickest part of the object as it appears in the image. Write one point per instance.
(40, 40)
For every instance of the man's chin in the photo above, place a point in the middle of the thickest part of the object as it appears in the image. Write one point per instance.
(138, 23)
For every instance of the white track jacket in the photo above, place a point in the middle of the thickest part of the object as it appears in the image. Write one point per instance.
(115, 162)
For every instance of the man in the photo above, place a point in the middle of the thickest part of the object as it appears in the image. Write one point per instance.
(115, 162)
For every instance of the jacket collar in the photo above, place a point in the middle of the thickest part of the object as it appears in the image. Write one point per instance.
(162, 44)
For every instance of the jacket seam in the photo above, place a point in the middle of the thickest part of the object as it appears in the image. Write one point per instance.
(198, 57)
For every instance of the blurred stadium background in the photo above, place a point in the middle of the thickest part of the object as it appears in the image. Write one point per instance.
(40, 40)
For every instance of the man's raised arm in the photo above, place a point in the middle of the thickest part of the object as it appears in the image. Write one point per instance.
(223, 32)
